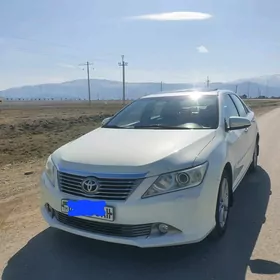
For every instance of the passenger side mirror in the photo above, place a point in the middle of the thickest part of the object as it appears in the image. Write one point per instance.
(235, 123)
(105, 121)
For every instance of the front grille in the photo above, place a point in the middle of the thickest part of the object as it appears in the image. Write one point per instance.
(110, 189)
(104, 228)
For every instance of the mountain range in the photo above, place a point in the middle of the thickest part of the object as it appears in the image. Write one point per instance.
(268, 86)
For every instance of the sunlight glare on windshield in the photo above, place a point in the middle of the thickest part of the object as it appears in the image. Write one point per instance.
(195, 95)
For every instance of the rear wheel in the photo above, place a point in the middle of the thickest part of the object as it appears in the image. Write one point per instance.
(222, 207)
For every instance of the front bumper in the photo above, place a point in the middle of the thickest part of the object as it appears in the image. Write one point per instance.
(188, 213)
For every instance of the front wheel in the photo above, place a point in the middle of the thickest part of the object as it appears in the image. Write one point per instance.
(222, 207)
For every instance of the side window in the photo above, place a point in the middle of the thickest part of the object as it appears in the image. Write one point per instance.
(239, 105)
(229, 108)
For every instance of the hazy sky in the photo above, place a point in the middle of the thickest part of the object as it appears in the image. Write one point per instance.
(173, 41)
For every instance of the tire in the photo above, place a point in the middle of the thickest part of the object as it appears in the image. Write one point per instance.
(254, 164)
(222, 207)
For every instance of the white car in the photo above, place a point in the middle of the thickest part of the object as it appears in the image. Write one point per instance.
(166, 167)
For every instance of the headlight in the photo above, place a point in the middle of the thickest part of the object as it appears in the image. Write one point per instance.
(178, 180)
(51, 171)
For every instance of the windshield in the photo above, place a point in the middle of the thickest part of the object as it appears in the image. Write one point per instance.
(170, 112)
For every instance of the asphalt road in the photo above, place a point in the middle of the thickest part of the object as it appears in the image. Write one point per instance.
(249, 250)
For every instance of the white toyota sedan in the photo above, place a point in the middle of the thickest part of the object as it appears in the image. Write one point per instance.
(165, 168)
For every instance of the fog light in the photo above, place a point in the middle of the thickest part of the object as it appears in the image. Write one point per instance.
(163, 228)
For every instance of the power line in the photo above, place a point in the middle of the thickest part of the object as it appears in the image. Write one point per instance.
(44, 43)
(88, 80)
(123, 64)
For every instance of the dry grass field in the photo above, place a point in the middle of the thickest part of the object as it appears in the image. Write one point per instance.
(29, 132)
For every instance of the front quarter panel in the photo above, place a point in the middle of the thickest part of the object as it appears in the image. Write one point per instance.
(216, 155)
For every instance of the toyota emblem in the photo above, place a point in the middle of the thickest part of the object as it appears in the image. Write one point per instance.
(90, 185)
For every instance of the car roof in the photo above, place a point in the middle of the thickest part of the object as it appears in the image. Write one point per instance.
(185, 92)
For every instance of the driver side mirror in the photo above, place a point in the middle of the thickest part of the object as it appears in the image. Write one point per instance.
(236, 123)
(106, 120)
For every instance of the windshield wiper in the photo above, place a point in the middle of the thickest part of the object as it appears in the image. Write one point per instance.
(113, 126)
(157, 126)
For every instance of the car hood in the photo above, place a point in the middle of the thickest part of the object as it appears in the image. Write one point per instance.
(133, 150)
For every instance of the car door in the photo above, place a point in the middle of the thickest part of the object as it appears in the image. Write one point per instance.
(250, 134)
(236, 141)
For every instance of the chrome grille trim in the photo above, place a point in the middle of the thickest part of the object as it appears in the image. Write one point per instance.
(102, 175)
(104, 228)
(110, 189)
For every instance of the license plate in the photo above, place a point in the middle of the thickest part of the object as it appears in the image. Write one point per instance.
(109, 211)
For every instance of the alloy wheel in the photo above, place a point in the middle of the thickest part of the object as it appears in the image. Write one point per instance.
(224, 203)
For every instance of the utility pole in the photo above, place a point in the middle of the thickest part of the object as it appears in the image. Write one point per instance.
(207, 82)
(236, 88)
(160, 86)
(249, 84)
(87, 64)
(123, 64)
